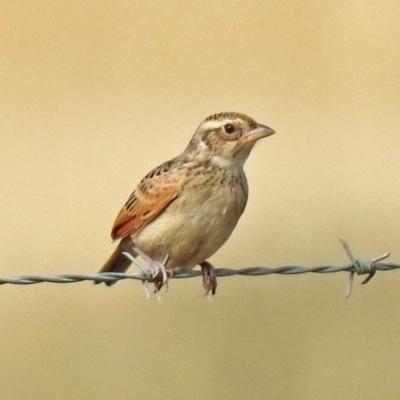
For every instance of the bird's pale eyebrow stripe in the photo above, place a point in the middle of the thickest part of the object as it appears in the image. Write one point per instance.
(212, 124)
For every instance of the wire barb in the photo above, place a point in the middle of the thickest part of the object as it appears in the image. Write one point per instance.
(357, 266)
(360, 267)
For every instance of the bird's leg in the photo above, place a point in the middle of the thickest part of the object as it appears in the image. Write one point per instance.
(209, 277)
(160, 274)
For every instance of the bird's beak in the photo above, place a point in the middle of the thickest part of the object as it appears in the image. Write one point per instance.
(258, 132)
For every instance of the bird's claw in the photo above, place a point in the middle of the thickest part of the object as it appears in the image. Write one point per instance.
(209, 278)
(159, 273)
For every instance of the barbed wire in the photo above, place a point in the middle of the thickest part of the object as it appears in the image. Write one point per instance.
(357, 266)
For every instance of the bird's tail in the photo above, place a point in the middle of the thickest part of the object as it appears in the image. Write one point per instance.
(117, 262)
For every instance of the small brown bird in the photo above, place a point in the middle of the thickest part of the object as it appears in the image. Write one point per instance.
(186, 208)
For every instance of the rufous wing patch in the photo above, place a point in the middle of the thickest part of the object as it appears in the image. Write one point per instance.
(153, 194)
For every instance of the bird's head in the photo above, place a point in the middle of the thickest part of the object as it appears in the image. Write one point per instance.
(227, 138)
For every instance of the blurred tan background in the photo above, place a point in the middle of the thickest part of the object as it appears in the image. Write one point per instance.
(93, 94)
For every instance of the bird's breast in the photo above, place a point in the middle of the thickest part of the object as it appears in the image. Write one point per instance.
(199, 221)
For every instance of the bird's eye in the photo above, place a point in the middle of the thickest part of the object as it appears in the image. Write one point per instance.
(229, 128)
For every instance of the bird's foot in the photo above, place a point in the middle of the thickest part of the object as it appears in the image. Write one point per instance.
(159, 273)
(209, 278)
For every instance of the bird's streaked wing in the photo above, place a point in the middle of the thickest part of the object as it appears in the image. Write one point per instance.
(153, 194)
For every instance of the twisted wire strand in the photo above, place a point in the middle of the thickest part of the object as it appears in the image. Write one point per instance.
(357, 266)
(181, 274)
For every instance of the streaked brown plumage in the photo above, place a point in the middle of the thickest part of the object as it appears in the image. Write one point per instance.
(188, 207)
